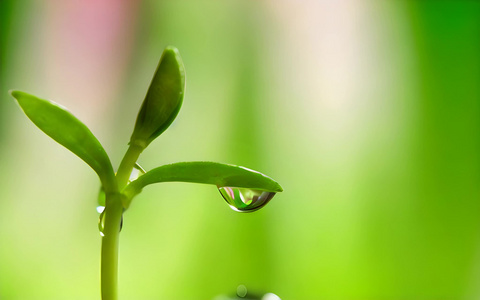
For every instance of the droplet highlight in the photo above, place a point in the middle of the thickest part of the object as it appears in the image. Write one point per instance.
(244, 199)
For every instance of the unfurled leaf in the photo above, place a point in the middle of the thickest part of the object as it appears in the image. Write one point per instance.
(221, 175)
(58, 123)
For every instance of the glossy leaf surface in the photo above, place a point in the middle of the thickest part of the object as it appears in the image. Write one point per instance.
(163, 100)
(58, 123)
(205, 172)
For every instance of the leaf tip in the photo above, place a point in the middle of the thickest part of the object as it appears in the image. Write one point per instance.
(15, 94)
(172, 52)
(279, 189)
(23, 99)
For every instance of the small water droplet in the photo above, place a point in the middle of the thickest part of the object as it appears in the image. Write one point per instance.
(270, 296)
(241, 291)
(137, 171)
(101, 222)
(244, 199)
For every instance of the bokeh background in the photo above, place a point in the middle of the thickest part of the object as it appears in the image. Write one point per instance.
(367, 113)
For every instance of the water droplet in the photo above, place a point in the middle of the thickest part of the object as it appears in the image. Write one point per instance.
(101, 222)
(241, 291)
(137, 171)
(270, 296)
(244, 199)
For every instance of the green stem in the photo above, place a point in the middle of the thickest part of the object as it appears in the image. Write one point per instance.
(127, 164)
(111, 230)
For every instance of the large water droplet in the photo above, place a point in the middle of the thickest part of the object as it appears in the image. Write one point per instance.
(244, 199)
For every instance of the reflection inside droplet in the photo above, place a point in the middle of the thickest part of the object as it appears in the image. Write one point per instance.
(244, 199)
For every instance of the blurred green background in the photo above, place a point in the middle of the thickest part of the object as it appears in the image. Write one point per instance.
(367, 113)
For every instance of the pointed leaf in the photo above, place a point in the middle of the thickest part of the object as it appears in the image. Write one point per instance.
(163, 101)
(58, 123)
(204, 172)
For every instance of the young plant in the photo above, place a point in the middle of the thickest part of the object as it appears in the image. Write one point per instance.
(244, 190)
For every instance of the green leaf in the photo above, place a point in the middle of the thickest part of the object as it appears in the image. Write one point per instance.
(163, 100)
(204, 172)
(67, 130)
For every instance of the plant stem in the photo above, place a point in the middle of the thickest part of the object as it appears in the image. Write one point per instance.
(111, 232)
(111, 229)
(127, 164)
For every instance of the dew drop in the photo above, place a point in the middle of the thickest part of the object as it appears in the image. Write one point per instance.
(101, 222)
(137, 171)
(241, 291)
(244, 199)
(270, 296)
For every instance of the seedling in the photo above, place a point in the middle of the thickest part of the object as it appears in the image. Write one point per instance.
(244, 190)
